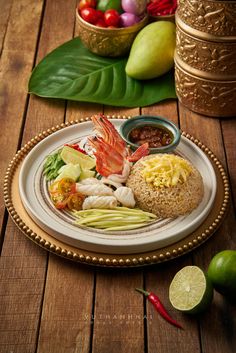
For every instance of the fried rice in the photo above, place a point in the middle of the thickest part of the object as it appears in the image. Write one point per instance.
(166, 202)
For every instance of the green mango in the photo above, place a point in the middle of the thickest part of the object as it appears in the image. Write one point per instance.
(152, 52)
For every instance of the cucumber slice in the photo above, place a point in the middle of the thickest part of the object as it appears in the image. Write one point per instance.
(70, 155)
(70, 170)
(86, 173)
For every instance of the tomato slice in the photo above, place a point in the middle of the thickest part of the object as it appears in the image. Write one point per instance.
(75, 201)
(63, 194)
(66, 186)
(53, 187)
(59, 200)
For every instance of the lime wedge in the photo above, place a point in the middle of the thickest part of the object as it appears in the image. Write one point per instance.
(70, 155)
(190, 290)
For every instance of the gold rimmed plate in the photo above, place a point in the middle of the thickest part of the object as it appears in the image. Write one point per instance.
(157, 242)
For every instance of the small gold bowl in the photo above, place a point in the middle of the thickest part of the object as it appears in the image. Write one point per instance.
(111, 42)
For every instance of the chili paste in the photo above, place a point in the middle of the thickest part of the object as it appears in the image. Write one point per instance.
(155, 136)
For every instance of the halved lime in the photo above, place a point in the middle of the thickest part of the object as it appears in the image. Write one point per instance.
(70, 155)
(190, 290)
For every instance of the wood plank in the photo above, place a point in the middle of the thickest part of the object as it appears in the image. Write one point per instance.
(161, 336)
(119, 111)
(22, 274)
(16, 63)
(118, 315)
(66, 319)
(229, 133)
(166, 109)
(81, 110)
(65, 323)
(159, 281)
(22, 266)
(217, 326)
(118, 311)
(208, 130)
(42, 114)
(58, 27)
(193, 124)
(5, 7)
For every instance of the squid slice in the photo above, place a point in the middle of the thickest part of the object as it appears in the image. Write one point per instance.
(94, 189)
(89, 181)
(106, 202)
(111, 182)
(125, 196)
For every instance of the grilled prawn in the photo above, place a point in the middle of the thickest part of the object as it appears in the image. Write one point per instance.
(112, 155)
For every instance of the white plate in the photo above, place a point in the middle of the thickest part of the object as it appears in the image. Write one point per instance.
(35, 198)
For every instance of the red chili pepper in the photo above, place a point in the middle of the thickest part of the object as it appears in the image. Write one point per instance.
(162, 7)
(153, 298)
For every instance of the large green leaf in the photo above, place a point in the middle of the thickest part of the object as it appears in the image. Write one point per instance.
(73, 72)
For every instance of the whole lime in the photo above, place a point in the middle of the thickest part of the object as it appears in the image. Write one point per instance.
(222, 272)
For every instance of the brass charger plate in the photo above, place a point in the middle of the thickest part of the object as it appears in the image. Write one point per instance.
(39, 236)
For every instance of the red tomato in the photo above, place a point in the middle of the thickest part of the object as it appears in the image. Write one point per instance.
(89, 15)
(112, 18)
(101, 23)
(86, 3)
(100, 14)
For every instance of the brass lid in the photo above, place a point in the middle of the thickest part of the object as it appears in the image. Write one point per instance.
(216, 18)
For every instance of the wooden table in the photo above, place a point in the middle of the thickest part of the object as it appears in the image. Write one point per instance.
(51, 305)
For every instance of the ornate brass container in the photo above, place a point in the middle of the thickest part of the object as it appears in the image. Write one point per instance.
(213, 58)
(112, 42)
(209, 16)
(205, 56)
